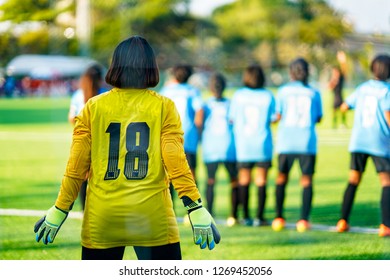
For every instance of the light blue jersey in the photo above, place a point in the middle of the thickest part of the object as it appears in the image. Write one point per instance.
(77, 102)
(217, 136)
(370, 133)
(188, 101)
(300, 108)
(252, 111)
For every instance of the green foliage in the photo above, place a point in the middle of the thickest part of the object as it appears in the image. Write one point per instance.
(288, 27)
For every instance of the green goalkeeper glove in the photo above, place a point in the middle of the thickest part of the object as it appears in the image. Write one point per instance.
(48, 226)
(203, 226)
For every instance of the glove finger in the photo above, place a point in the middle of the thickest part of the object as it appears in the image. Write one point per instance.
(40, 233)
(210, 240)
(216, 234)
(197, 236)
(44, 239)
(204, 234)
(39, 223)
(52, 235)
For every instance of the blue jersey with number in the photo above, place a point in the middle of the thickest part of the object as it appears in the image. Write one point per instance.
(370, 133)
(252, 111)
(217, 136)
(188, 101)
(300, 108)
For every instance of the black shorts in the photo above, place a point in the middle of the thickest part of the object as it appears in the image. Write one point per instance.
(212, 167)
(307, 163)
(191, 159)
(359, 161)
(250, 165)
(163, 252)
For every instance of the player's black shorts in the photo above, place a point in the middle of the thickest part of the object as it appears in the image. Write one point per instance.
(250, 165)
(191, 158)
(359, 161)
(307, 163)
(212, 167)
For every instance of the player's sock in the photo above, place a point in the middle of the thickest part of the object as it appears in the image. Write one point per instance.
(307, 196)
(385, 205)
(210, 197)
(280, 194)
(349, 196)
(261, 197)
(244, 199)
(235, 202)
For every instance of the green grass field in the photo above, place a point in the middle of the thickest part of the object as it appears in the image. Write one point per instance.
(34, 145)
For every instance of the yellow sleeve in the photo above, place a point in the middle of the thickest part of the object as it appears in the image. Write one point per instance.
(173, 155)
(78, 163)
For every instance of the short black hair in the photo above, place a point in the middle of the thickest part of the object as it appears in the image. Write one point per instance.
(380, 67)
(253, 76)
(133, 65)
(182, 72)
(299, 70)
(217, 83)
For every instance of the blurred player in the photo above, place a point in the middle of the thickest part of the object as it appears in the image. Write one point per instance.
(189, 104)
(370, 138)
(336, 85)
(217, 141)
(299, 109)
(90, 86)
(252, 111)
(130, 142)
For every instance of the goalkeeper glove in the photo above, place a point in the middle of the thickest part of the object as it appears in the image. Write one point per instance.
(203, 226)
(48, 226)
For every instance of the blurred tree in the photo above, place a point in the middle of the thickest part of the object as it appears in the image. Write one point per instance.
(167, 24)
(35, 27)
(273, 32)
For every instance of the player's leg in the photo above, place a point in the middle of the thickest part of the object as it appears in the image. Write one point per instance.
(231, 168)
(261, 174)
(244, 180)
(285, 162)
(211, 171)
(357, 167)
(383, 168)
(307, 165)
(102, 254)
(164, 252)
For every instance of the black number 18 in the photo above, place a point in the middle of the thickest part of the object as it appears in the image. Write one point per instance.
(137, 158)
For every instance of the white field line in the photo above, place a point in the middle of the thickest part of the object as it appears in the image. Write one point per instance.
(79, 215)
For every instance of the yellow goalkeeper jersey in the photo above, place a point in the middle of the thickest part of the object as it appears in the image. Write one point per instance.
(130, 143)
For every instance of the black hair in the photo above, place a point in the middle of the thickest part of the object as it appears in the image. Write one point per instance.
(182, 73)
(133, 65)
(217, 84)
(380, 67)
(253, 76)
(299, 70)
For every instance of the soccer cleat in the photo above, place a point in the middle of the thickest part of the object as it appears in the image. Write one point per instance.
(278, 224)
(231, 221)
(384, 231)
(303, 225)
(342, 226)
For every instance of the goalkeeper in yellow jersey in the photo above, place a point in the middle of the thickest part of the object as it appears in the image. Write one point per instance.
(130, 142)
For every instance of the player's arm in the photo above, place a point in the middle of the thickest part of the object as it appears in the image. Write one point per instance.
(387, 117)
(175, 162)
(78, 165)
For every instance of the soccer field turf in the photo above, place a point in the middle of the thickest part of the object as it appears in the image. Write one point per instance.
(34, 145)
